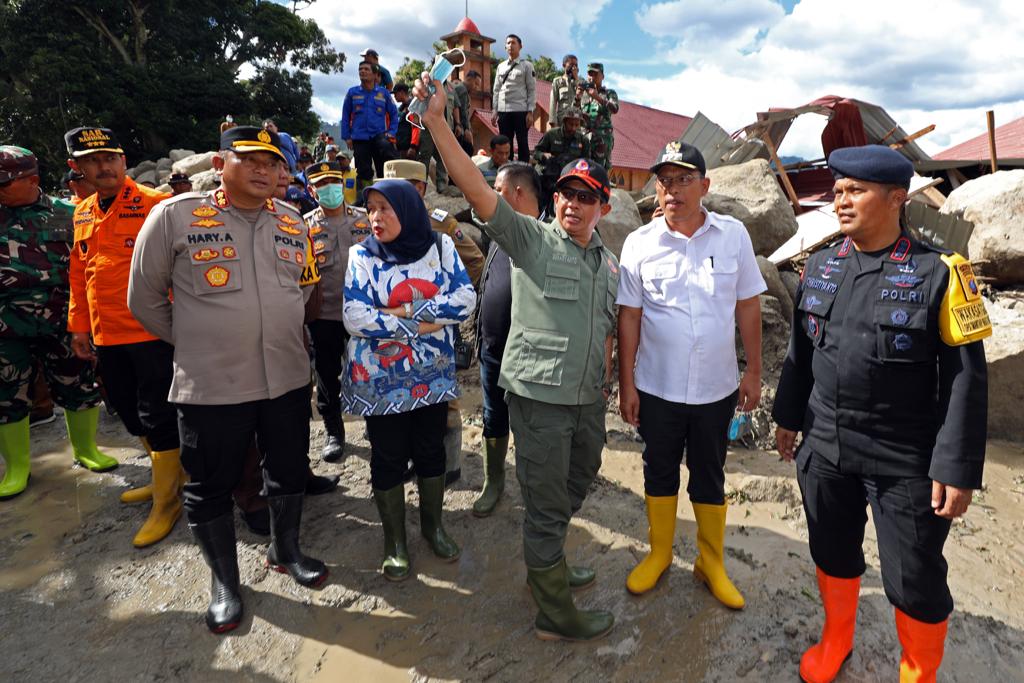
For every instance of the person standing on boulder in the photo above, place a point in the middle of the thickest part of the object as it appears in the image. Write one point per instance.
(135, 365)
(556, 363)
(689, 280)
(886, 379)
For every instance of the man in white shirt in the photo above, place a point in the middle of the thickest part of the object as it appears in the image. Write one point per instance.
(515, 97)
(688, 279)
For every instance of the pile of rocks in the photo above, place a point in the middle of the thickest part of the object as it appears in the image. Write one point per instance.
(198, 167)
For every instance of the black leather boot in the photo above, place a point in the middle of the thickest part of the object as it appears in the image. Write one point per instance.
(284, 555)
(217, 541)
(334, 445)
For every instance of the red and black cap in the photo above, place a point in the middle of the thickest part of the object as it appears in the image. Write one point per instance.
(590, 173)
(243, 139)
(682, 155)
(91, 139)
(16, 162)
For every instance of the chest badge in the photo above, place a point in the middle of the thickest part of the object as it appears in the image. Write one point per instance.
(217, 276)
(207, 223)
(285, 218)
(205, 255)
(288, 229)
(899, 317)
(204, 211)
(229, 252)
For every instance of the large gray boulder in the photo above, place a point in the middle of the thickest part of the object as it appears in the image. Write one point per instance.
(205, 180)
(146, 177)
(750, 193)
(179, 154)
(140, 168)
(164, 164)
(776, 287)
(196, 163)
(623, 219)
(995, 204)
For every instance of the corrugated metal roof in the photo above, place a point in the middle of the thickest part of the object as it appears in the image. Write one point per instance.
(1009, 145)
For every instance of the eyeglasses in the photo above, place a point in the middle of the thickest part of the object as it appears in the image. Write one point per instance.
(581, 196)
(681, 180)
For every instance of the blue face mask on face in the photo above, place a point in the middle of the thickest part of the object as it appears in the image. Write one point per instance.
(331, 196)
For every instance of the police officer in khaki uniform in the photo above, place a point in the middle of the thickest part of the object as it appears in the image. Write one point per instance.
(473, 260)
(886, 379)
(556, 366)
(235, 264)
(333, 228)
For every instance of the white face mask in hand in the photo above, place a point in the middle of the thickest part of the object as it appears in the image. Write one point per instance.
(441, 70)
(331, 196)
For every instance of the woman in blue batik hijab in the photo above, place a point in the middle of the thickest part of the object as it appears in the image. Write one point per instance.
(404, 289)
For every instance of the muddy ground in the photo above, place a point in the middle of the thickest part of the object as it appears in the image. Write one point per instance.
(78, 603)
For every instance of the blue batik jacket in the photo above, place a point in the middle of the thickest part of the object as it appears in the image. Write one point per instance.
(391, 368)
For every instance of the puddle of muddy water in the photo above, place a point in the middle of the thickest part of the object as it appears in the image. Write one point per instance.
(60, 498)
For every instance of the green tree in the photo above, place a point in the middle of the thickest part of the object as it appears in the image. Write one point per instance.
(409, 71)
(161, 74)
(545, 68)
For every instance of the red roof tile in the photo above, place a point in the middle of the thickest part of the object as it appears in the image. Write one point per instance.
(640, 132)
(1009, 145)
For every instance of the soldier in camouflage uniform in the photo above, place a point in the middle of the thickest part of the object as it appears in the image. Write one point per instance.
(598, 104)
(563, 91)
(557, 148)
(35, 242)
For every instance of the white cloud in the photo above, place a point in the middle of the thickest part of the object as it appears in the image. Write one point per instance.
(941, 62)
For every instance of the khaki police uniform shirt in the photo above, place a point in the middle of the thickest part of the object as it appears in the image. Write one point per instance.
(470, 255)
(237, 311)
(563, 309)
(331, 237)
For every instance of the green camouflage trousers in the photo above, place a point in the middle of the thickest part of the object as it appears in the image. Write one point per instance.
(71, 380)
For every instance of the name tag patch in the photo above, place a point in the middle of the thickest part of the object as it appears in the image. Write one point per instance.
(822, 285)
(972, 317)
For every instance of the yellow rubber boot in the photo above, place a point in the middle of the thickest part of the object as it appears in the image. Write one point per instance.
(661, 530)
(143, 493)
(166, 498)
(923, 646)
(710, 564)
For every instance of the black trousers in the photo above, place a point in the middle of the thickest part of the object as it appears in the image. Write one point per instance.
(396, 439)
(215, 441)
(328, 339)
(702, 431)
(513, 125)
(910, 535)
(371, 154)
(137, 378)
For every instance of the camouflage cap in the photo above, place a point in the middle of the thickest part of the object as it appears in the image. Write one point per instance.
(595, 66)
(572, 113)
(16, 162)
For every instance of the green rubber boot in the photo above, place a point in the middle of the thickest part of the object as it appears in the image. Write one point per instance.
(581, 577)
(391, 506)
(15, 451)
(494, 476)
(431, 504)
(558, 618)
(82, 433)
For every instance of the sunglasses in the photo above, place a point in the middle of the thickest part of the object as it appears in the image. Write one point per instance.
(681, 181)
(580, 196)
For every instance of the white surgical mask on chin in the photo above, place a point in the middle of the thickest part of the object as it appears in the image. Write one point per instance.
(330, 196)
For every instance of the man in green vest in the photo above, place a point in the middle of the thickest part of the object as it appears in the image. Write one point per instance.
(556, 366)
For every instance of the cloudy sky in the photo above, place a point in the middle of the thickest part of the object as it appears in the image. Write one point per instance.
(926, 61)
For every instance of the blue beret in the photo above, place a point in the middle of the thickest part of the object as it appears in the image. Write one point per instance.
(873, 163)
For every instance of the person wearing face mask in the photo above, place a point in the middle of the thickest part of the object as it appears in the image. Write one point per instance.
(404, 290)
(556, 365)
(333, 228)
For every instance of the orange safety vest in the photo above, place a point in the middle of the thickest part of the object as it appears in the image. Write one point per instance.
(101, 262)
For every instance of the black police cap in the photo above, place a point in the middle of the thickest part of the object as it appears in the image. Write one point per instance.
(871, 163)
(243, 139)
(324, 169)
(683, 155)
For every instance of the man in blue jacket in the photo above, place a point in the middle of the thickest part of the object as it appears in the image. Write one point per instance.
(369, 123)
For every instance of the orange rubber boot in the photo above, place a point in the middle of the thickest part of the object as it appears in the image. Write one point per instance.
(821, 663)
(923, 645)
